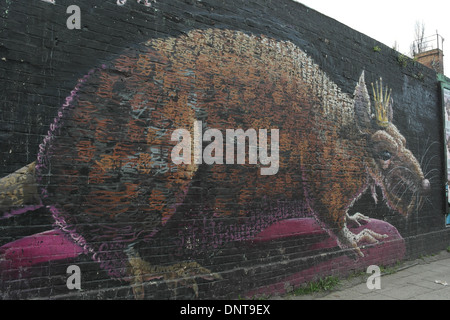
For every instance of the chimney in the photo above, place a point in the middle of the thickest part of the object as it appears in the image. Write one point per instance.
(433, 59)
(430, 52)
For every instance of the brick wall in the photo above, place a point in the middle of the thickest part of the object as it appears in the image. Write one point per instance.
(89, 177)
(433, 59)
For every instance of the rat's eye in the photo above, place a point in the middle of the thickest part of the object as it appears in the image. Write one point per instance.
(385, 155)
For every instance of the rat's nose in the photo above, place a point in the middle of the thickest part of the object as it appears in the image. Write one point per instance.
(426, 186)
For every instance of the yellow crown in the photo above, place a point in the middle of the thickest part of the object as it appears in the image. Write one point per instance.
(381, 104)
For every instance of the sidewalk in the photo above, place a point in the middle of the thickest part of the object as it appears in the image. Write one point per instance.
(412, 280)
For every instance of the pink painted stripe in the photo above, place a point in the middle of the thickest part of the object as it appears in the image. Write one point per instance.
(39, 248)
(288, 229)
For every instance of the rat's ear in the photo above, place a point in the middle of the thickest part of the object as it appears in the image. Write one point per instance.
(363, 116)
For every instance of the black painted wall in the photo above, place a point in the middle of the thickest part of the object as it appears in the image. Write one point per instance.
(42, 60)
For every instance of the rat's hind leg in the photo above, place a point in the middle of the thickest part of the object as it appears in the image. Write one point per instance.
(184, 273)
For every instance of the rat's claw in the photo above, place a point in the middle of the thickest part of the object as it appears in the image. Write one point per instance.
(357, 218)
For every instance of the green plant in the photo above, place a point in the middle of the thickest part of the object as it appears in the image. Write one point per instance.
(376, 49)
(320, 285)
(355, 274)
(390, 269)
(419, 76)
(402, 60)
(387, 270)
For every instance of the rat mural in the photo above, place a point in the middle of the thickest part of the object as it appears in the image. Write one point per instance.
(105, 170)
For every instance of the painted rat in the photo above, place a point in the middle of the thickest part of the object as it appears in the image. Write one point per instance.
(105, 168)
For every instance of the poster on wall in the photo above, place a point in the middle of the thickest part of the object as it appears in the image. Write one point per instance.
(446, 100)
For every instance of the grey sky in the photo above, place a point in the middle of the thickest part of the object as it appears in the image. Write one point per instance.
(390, 21)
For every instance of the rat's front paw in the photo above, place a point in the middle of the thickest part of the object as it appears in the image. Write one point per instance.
(357, 218)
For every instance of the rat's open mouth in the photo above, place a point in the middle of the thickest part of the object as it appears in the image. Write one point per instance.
(402, 194)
